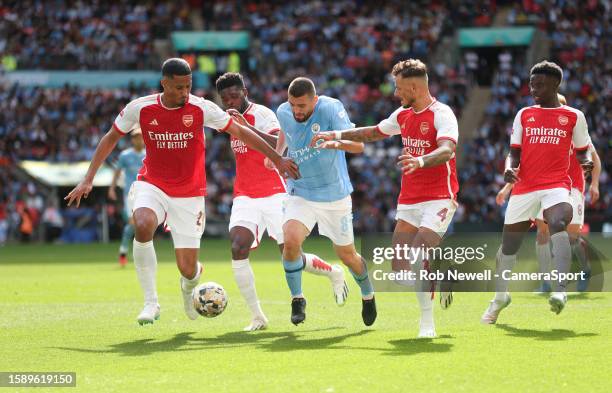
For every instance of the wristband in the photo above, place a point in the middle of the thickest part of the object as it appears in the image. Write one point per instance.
(337, 135)
(421, 162)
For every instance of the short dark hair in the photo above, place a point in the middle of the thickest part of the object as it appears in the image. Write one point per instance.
(175, 66)
(410, 68)
(229, 79)
(547, 68)
(302, 86)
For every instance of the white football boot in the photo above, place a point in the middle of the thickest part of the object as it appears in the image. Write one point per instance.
(339, 285)
(557, 302)
(490, 315)
(149, 314)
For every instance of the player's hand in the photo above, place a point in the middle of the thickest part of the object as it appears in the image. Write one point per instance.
(82, 190)
(237, 116)
(587, 167)
(328, 145)
(321, 138)
(511, 175)
(287, 168)
(407, 162)
(112, 194)
(500, 198)
(594, 192)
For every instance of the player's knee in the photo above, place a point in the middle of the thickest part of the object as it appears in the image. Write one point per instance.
(542, 237)
(187, 268)
(240, 248)
(558, 225)
(292, 244)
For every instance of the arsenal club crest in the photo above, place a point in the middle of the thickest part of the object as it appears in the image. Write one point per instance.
(563, 120)
(188, 120)
(424, 127)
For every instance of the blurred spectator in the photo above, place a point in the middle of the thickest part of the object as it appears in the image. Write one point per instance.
(73, 35)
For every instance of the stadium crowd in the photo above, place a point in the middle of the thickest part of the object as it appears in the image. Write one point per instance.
(577, 32)
(347, 47)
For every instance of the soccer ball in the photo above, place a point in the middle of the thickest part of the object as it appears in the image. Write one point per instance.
(209, 299)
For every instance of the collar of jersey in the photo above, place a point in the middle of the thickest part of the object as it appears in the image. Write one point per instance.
(427, 107)
(159, 101)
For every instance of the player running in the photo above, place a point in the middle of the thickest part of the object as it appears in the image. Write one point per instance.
(172, 181)
(258, 197)
(322, 195)
(573, 229)
(540, 145)
(129, 162)
(427, 200)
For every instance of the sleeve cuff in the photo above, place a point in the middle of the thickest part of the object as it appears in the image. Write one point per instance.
(448, 138)
(585, 147)
(119, 130)
(274, 131)
(377, 128)
(229, 123)
(517, 146)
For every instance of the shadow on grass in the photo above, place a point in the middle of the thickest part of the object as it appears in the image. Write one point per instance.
(264, 340)
(543, 335)
(584, 295)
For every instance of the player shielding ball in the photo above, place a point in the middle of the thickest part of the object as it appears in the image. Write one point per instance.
(259, 194)
(129, 162)
(172, 182)
(322, 195)
(542, 137)
(427, 199)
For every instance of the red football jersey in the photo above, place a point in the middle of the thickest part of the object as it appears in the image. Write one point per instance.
(420, 133)
(174, 140)
(545, 136)
(253, 179)
(576, 173)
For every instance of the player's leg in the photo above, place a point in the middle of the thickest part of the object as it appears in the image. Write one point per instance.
(543, 252)
(242, 239)
(578, 244)
(424, 288)
(406, 228)
(313, 264)
(435, 219)
(246, 230)
(520, 210)
(187, 219)
(294, 233)
(558, 215)
(335, 221)
(149, 211)
(127, 236)
(298, 221)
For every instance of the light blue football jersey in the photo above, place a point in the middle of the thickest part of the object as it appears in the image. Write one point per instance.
(324, 172)
(130, 162)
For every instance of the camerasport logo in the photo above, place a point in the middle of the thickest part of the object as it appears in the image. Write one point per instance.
(188, 120)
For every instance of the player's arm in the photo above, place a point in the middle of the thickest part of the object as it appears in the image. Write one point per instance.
(361, 134)
(347, 146)
(595, 173)
(285, 166)
(237, 116)
(512, 165)
(501, 196)
(112, 194)
(443, 153)
(105, 147)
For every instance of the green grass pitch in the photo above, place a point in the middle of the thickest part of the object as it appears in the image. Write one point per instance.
(71, 308)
